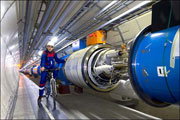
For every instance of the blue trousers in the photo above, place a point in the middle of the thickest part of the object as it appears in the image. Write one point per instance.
(43, 81)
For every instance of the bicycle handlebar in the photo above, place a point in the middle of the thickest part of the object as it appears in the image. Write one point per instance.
(51, 70)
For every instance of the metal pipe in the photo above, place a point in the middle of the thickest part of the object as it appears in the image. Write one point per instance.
(58, 8)
(67, 11)
(42, 24)
(61, 18)
(77, 16)
(69, 43)
(37, 19)
(21, 55)
(54, 15)
(36, 22)
(112, 53)
(72, 41)
(122, 38)
(125, 13)
(103, 68)
(92, 23)
(59, 31)
(113, 9)
(27, 25)
(120, 16)
(106, 7)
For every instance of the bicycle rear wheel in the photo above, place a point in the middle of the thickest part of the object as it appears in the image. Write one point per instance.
(47, 93)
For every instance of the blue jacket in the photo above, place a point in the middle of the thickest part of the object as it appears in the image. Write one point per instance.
(48, 59)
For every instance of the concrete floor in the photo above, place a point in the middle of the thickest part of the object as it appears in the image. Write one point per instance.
(68, 106)
(85, 106)
(171, 112)
(27, 107)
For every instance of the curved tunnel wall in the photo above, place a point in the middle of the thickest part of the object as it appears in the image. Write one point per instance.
(9, 58)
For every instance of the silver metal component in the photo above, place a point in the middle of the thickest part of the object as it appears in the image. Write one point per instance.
(124, 89)
(104, 68)
(89, 67)
(112, 53)
(73, 68)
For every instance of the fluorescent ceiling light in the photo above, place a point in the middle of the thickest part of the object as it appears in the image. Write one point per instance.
(54, 39)
(109, 5)
(60, 41)
(40, 53)
(16, 35)
(125, 13)
(34, 58)
(13, 46)
(69, 43)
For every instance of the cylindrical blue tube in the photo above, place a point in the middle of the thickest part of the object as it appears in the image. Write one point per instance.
(154, 66)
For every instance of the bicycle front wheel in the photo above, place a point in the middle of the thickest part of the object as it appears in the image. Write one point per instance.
(53, 84)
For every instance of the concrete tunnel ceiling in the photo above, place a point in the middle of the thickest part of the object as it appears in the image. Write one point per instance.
(39, 21)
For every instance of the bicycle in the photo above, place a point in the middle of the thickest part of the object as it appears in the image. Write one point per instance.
(53, 90)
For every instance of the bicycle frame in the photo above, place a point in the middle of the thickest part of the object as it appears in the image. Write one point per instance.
(51, 82)
(52, 86)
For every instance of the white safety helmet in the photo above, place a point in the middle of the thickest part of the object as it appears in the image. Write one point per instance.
(50, 43)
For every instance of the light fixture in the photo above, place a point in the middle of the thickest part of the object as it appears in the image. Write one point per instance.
(34, 58)
(61, 41)
(40, 53)
(54, 39)
(124, 14)
(69, 43)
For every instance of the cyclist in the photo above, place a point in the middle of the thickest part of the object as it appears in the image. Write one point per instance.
(48, 59)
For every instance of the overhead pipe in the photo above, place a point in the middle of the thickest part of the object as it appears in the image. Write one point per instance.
(42, 23)
(27, 25)
(64, 46)
(37, 19)
(47, 38)
(106, 7)
(21, 54)
(100, 13)
(58, 8)
(35, 24)
(41, 26)
(41, 43)
(125, 13)
(67, 11)
(72, 21)
(114, 9)
(69, 43)
(96, 22)
(120, 16)
(61, 18)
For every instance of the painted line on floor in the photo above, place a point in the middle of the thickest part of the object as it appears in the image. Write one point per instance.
(50, 115)
(150, 116)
